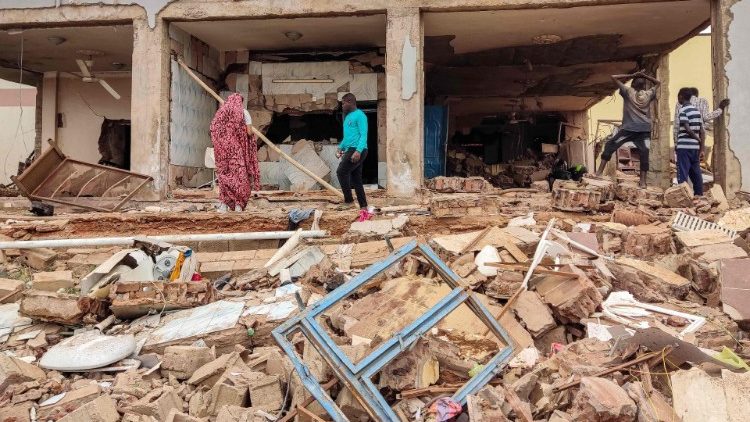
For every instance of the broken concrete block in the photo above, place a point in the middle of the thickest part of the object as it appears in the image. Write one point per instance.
(680, 196)
(299, 181)
(134, 299)
(647, 282)
(647, 241)
(158, 403)
(224, 394)
(534, 314)
(379, 227)
(600, 399)
(209, 373)
(70, 402)
(236, 413)
(177, 416)
(734, 276)
(102, 409)
(183, 361)
(699, 397)
(131, 383)
(571, 299)
(458, 184)
(17, 413)
(39, 259)
(632, 217)
(652, 407)
(604, 185)
(14, 371)
(62, 308)
(692, 239)
(569, 197)
(53, 281)
(717, 194)
(266, 393)
(10, 290)
(216, 269)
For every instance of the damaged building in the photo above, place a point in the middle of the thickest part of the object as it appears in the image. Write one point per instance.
(478, 88)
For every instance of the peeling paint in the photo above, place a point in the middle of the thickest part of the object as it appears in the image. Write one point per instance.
(408, 70)
(152, 7)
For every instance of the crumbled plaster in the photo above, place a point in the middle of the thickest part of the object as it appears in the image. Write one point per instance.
(408, 70)
(739, 92)
(152, 7)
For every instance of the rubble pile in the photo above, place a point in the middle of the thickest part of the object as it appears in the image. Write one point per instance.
(619, 304)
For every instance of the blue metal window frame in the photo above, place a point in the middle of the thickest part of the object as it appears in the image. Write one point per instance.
(358, 377)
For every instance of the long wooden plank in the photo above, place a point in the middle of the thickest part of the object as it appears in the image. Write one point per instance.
(253, 130)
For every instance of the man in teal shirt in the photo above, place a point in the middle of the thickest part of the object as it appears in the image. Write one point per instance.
(353, 151)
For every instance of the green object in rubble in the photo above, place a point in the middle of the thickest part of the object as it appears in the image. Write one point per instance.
(250, 332)
(475, 370)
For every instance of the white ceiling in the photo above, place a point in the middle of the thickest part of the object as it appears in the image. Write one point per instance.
(268, 34)
(39, 55)
(640, 24)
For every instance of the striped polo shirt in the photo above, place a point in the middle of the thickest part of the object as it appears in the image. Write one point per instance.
(692, 116)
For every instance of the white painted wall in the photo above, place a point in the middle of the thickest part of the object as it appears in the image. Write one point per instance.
(17, 135)
(739, 88)
(84, 107)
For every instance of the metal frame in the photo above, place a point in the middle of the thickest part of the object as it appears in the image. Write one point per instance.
(358, 377)
(26, 181)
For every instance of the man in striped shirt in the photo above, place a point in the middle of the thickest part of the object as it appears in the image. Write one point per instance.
(690, 141)
(702, 105)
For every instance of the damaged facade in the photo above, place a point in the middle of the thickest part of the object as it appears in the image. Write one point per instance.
(436, 79)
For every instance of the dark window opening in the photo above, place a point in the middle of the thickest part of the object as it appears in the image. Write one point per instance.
(114, 143)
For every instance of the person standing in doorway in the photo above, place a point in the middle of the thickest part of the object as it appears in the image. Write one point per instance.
(690, 142)
(352, 152)
(636, 120)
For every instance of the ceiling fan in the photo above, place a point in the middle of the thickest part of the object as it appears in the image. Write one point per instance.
(87, 76)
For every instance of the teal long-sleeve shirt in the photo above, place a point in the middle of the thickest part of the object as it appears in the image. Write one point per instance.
(355, 131)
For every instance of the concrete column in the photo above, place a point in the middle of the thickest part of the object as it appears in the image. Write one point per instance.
(404, 101)
(49, 108)
(149, 140)
(660, 173)
(725, 163)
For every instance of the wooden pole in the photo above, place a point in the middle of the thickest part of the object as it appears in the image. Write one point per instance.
(253, 130)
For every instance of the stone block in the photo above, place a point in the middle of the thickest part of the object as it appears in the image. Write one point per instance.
(600, 399)
(61, 308)
(157, 403)
(53, 281)
(39, 259)
(18, 413)
(223, 394)
(571, 299)
(735, 289)
(10, 290)
(680, 196)
(533, 313)
(102, 409)
(14, 371)
(214, 270)
(183, 361)
(647, 282)
(266, 393)
(70, 402)
(647, 241)
(567, 197)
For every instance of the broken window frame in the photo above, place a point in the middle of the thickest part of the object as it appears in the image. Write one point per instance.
(29, 181)
(358, 377)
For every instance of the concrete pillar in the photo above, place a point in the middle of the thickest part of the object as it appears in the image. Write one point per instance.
(49, 108)
(725, 164)
(660, 173)
(405, 101)
(149, 144)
